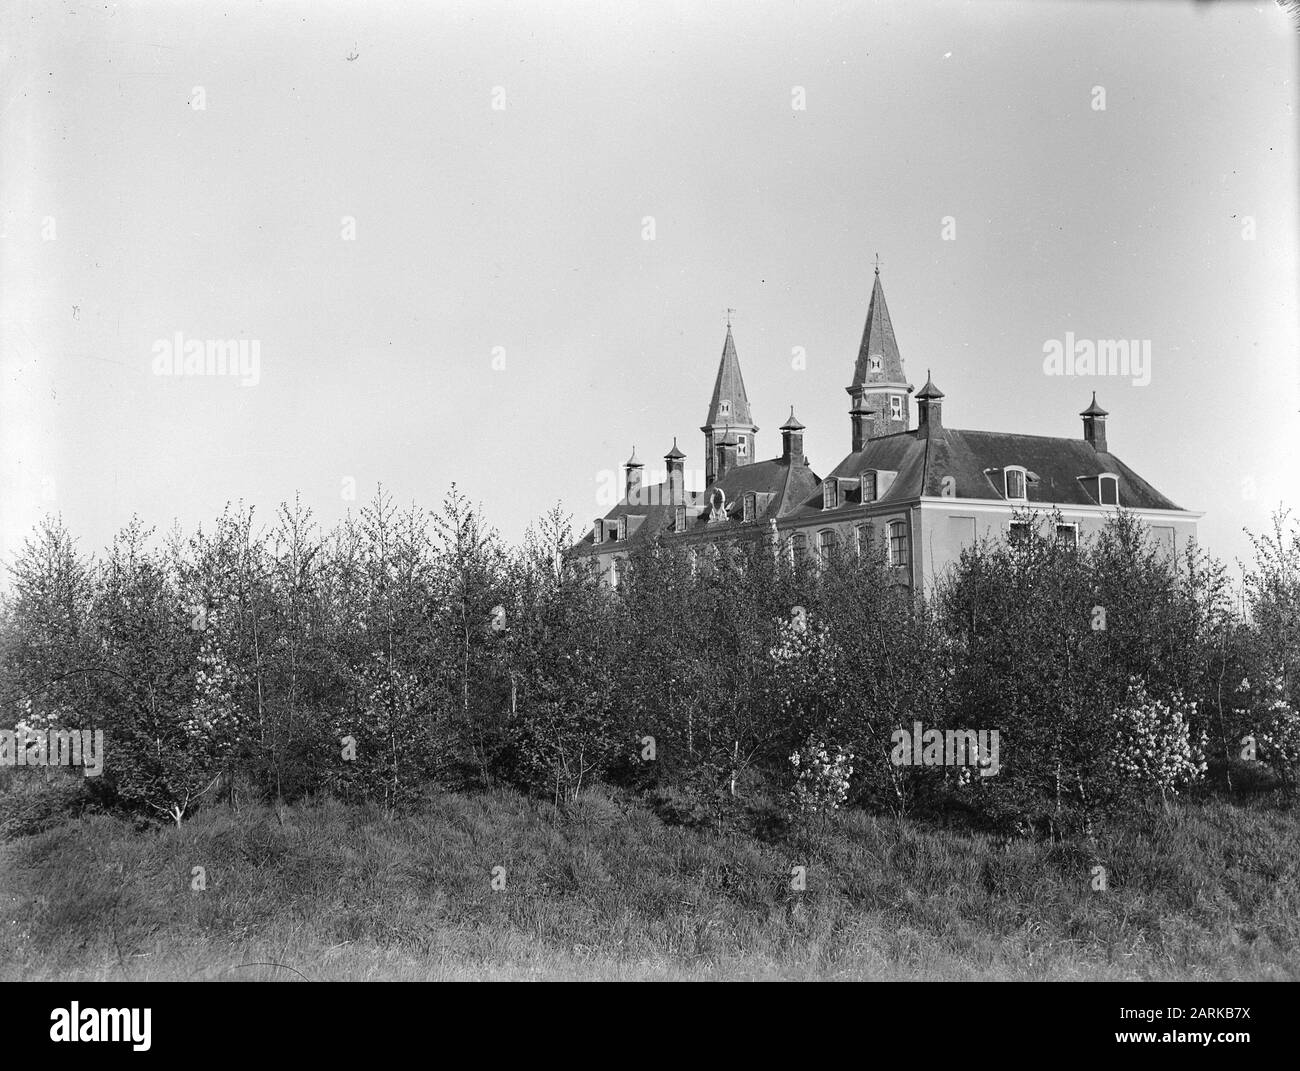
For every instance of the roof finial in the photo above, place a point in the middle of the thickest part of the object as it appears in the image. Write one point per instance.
(877, 263)
(730, 313)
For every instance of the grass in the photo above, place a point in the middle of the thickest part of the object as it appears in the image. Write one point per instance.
(607, 889)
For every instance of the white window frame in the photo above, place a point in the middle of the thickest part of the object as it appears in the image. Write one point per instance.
(1101, 482)
(613, 572)
(679, 519)
(1018, 526)
(724, 407)
(895, 407)
(830, 493)
(874, 477)
(1073, 526)
(875, 362)
(743, 449)
(862, 535)
(1024, 483)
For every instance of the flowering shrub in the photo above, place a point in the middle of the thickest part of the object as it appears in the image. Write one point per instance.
(1153, 743)
(1279, 729)
(821, 777)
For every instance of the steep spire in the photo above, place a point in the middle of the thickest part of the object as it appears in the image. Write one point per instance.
(878, 341)
(880, 387)
(729, 387)
(729, 413)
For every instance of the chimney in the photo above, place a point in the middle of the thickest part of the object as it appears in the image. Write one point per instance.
(792, 441)
(1094, 425)
(862, 419)
(676, 475)
(728, 455)
(633, 479)
(929, 409)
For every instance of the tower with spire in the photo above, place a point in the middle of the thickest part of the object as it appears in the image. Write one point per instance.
(880, 390)
(729, 418)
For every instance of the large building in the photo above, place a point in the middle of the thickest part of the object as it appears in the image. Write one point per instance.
(925, 491)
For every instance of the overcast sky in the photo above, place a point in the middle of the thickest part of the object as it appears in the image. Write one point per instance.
(499, 314)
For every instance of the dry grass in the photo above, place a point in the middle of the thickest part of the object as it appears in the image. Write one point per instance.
(606, 890)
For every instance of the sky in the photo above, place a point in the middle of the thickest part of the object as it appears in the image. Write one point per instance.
(495, 244)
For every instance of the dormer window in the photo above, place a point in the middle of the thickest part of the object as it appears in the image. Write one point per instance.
(1108, 489)
(679, 519)
(895, 407)
(1013, 483)
(869, 485)
(598, 531)
(750, 506)
(724, 408)
(620, 530)
(830, 494)
(875, 363)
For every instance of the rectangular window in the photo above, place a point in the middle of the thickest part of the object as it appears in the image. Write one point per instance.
(743, 450)
(864, 535)
(1068, 534)
(1108, 490)
(869, 486)
(898, 555)
(830, 494)
(679, 519)
(1017, 531)
(1015, 483)
(800, 543)
(895, 407)
(749, 507)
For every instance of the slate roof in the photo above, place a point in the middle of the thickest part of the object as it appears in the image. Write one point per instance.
(730, 385)
(779, 488)
(878, 337)
(923, 462)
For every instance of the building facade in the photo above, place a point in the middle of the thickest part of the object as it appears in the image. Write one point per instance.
(925, 492)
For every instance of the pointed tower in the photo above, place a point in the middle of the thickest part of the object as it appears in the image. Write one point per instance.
(728, 411)
(880, 389)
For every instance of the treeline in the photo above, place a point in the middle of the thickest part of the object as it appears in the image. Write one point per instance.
(404, 652)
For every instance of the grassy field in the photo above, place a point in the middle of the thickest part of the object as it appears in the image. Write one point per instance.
(607, 889)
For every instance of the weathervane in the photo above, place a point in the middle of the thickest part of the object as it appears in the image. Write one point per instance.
(730, 313)
(877, 263)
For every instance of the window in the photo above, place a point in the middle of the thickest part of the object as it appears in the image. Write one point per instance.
(799, 546)
(1013, 481)
(1017, 532)
(1108, 490)
(869, 486)
(613, 573)
(598, 531)
(863, 533)
(620, 529)
(679, 519)
(1164, 539)
(1068, 534)
(827, 541)
(743, 450)
(895, 407)
(724, 408)
(898, 555)
(750, 507)
(875, 362)
(830, 494)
